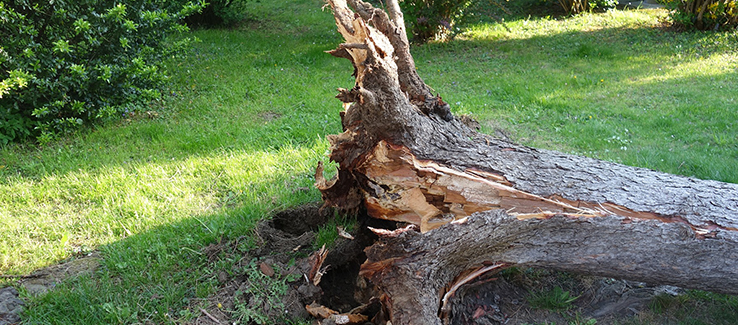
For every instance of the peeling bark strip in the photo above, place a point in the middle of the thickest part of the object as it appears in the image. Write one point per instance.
(483, 204)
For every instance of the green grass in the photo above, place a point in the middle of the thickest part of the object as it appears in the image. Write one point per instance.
(694, 308)
(328, 235)
(244, 123)
(556, 299)
(614, 86)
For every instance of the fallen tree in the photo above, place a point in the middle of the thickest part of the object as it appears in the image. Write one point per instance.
(475, 204)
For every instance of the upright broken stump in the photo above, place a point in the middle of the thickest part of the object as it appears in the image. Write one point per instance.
(480, 204)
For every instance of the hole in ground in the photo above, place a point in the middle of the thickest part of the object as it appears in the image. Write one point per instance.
(343, 288)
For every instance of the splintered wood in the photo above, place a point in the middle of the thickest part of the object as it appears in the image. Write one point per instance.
(429, 195)
(357, 46)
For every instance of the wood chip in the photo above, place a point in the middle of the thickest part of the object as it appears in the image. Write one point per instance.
(342, 233)
(392, 233)
(320, 311)
(266, 269)
(316, 269)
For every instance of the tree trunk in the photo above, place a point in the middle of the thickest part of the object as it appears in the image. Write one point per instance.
(481, 204)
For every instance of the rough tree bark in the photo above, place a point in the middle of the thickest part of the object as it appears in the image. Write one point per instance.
(480, 204)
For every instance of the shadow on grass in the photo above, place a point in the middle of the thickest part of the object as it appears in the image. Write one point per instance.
(152, 276)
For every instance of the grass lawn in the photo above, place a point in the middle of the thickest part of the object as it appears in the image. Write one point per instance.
(244, 123)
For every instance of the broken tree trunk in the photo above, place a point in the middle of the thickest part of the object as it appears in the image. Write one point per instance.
(482, 204)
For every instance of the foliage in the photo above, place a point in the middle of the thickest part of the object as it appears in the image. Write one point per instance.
(65, 64)
(574, 7)
(433, 19)
(704, 14)
(603, 4)
(556, 299)
(218, 13)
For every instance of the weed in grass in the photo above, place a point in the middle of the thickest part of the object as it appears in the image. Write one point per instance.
(579, 319)
(588, 50)
(261, 298)
(664, 302)
(556, 299)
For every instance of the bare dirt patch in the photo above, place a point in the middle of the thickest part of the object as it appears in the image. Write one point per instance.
(269, 116)
(43, 280)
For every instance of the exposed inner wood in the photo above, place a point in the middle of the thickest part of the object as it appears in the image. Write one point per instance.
(402, 188)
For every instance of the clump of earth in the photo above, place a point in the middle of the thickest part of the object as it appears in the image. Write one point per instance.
(275, 288)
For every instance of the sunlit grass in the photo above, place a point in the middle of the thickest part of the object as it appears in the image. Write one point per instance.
(59, 216)
(531, 27)
(154, 227)
(614, 86)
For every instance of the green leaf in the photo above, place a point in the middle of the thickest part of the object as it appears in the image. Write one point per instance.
(62, 46)
(117, 12)
(81, 25)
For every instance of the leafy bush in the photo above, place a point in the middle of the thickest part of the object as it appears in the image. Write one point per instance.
(603, 4)
(218, 13)
(433, 19)
(704, 14)
(574, 7)
(65, 64)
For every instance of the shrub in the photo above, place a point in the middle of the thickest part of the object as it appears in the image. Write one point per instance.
(218, 13)
(66, 64)
(574, 7)
(704, 14)
(433, 19)
(603, 4)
